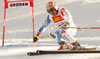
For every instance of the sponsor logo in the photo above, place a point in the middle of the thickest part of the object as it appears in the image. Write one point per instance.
(57, 19)
(18, 4)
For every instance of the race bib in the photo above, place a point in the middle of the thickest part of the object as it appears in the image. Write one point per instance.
(57, 19)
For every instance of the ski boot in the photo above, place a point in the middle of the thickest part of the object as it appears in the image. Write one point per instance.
(77, 46)
(64, 46)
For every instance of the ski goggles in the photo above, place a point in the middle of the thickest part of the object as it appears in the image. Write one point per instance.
(50, 10)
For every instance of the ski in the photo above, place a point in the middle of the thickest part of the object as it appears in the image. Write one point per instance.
(42, 52)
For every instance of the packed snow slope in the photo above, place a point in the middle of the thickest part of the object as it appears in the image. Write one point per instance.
(20, 48)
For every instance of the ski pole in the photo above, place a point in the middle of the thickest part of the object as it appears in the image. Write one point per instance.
(75, 28)
(43, 37)
(84, 28)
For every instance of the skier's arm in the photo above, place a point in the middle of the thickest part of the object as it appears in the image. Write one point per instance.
(44, 26)
(69, 16)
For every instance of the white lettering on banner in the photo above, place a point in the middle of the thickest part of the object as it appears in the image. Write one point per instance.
(18, 4)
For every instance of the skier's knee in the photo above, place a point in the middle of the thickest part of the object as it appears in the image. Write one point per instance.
(57, 32)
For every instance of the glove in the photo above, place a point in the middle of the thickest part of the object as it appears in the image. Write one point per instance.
(67, 25)
(36, 38)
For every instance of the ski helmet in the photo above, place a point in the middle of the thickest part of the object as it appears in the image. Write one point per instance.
(51, 5)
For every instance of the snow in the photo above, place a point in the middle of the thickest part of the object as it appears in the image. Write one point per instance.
(18, 37)
(19, 49)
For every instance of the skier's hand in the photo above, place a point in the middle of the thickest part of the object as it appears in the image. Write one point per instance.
(67, 25)
(36, 38)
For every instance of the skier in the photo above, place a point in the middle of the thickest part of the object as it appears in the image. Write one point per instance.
(63, 19)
